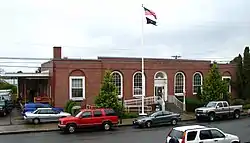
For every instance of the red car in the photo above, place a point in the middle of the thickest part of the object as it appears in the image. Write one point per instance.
(105, 118)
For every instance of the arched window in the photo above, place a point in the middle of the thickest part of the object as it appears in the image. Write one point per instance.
(137, 84)
(179, 85)
(197, 82)
(118, 81)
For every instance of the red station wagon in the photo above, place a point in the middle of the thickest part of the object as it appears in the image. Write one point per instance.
(105, 118)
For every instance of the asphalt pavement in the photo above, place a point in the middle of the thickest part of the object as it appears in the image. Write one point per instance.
(239, 127)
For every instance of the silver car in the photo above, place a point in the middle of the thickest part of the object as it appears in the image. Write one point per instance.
(44, 115)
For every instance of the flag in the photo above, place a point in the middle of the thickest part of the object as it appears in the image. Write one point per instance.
(152, 19)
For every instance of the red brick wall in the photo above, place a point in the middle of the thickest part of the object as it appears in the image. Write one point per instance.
(93, 70)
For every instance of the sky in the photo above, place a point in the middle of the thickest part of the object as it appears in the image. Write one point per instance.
(194, 29)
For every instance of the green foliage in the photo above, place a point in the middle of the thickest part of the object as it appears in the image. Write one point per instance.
(127, 115)
(192, 103)
(246, 106)
(67, 106)
(198, 94)
(214, 88)
(5, 86)
(237, 102)
(108, 96)
(246, 73)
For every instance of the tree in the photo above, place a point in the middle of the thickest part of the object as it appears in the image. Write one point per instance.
(108, 96)
(246, 73)
(5, 85)
(238, 84)
(214, 88)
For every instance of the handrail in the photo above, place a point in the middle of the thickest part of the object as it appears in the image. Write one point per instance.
(176, 101)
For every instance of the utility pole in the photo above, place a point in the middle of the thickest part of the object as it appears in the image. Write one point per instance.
(176, 57)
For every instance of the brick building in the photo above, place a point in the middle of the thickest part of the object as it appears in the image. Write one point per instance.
(80, 79)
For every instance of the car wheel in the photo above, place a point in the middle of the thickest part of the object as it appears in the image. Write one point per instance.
(107, 126)
(211, 117)
(36, 121)
(174, 121)
(236, 114)
(148, 124)
(71, 128)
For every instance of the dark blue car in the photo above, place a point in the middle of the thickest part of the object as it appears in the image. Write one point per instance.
(30, 107)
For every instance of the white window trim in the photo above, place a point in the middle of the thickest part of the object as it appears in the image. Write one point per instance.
(194, 93)
(119, 96)
(165, 75)
(184, 84)
(70, 88)
(228, 77)
(133, 84)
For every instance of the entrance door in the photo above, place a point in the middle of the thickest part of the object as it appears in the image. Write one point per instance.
(159, 91)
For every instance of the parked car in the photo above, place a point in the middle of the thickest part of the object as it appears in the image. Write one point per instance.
(199, 134)
(218, 109)
(3, 108)
(157, 118)
(105, 118)
(30, 107)
(6, 96)
(44, 115)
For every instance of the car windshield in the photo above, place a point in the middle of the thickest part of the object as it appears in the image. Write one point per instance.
(6, 97)
(211, 104)
(78, 114)
(176, 134)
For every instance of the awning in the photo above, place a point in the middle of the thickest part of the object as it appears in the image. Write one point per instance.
(25, 75)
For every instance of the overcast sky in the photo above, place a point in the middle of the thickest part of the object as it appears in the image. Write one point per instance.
(196, 29)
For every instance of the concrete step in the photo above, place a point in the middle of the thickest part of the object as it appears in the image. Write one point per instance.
(173, 108)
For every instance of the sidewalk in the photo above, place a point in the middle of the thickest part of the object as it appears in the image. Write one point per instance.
(29, 128)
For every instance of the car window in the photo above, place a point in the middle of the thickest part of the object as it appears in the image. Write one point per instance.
(220, 105)
(109, 112)
(225, 104)
(51, 112)
(155, 114)
(97, 113)
(43, 112)
(166, 113)
(217, 134)
(86, 114)
(205, 134)
(191, 135)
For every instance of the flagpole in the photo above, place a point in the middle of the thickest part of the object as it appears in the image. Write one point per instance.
(142, 67)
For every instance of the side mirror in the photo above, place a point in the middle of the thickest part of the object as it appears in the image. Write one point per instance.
(217, 106)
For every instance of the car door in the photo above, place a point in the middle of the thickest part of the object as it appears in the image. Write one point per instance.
(43, 115)
(218, 136)
(219, 109)
(226, 108)
(86, 119)
(158, 118)
(205, 136)
(192, 136)
(52, 115)
(97, 117)
(166, 117)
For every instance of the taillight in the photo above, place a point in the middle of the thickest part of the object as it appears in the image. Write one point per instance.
(183, 137)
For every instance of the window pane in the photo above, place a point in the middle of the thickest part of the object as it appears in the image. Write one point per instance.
(138, 84)
(205, 134)
(179, 83)
(117, 81)
(78, 92)
(228, 81)
(97, 113)
(197, 82)
(191, 135)
(217, 134)
(77, 83)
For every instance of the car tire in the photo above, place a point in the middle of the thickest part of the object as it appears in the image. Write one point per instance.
(36, 121)
(107, 126)
(148, 124)
(174, 122)
(236, 114)
(211, 117)
(71, 128)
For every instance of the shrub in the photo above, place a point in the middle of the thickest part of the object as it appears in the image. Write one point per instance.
(238, 102)
(192, 103)
(127, 115)
(67, 105)
(71, 105)
(246, 106)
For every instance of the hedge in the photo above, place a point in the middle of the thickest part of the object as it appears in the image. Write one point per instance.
(192, 103)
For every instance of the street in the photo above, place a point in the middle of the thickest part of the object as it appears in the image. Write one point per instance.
(239, 127)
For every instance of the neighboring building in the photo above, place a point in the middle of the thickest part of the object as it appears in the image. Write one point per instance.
(80, 79)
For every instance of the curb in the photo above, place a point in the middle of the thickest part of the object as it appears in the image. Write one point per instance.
(27, 131)
(53, 130)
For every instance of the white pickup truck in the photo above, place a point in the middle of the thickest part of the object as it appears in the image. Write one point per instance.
(218, 109)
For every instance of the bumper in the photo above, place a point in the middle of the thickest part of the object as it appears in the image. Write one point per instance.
(138, 124)
(201, 115)
(61, 127)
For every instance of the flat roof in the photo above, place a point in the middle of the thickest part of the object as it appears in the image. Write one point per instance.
(27, 75)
